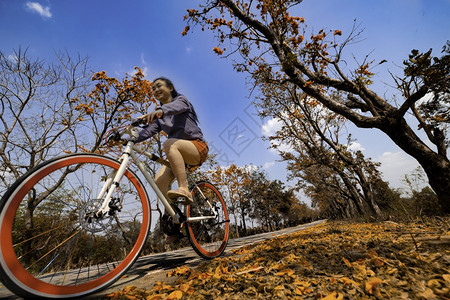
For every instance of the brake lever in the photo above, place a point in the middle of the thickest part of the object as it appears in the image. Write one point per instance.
(115, 136)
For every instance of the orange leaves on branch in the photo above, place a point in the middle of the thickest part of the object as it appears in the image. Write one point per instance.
(218, 51)
(291, 22)
(363, 75)
(319, 37)
(337, 32)
(192, 12)
(364, 70)
(87, 108)
(219, 22)
(114, 99)
(186, 30)
(263, 8)
(296, 40)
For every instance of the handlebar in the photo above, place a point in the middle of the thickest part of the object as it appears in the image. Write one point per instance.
(138, 122)
(115, 134)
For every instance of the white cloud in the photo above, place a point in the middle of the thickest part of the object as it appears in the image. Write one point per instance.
(268, 164)
(394, 165)
(43, 11)
(356, 146)
(271, 127)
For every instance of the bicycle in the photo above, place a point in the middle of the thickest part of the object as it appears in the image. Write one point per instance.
(75, 224)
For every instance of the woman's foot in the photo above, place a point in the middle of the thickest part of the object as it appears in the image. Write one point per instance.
(184, 193)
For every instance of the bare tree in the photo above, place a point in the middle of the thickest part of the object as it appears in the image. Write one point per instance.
(37, 118)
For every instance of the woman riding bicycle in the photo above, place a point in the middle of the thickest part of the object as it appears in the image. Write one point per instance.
(185, 144)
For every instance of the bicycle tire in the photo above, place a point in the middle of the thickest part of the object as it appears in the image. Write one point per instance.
(61, 252)
(208, 238)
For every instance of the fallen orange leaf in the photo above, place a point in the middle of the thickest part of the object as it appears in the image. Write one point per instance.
(427, 294)
(371, 253)
(301, 283)
(186, 288)
(298, 291)
(372, 283)
(377, 262)
(433, 283)
(156, 297)
(346, 280)
(175, 295)
(347, 262)
(129, 288)
(287, 271)
(334, 296)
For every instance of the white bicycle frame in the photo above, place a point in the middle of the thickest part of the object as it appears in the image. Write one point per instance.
(112, 183)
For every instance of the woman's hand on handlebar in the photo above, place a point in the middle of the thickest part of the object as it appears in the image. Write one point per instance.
(148, 118)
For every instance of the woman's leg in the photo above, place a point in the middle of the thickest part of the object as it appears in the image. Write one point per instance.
(164, 179)
(181, 152)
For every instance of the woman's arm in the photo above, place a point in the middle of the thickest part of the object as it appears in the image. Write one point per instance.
(149, 131)
(178, 105)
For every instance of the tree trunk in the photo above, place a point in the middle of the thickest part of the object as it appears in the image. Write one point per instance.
(368, 194)
(244, 225)
(355, 197)
(437, 167)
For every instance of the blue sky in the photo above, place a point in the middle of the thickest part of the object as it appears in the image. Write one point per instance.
(118, 35)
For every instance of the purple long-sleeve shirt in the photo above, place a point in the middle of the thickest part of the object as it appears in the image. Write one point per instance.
(179, 121)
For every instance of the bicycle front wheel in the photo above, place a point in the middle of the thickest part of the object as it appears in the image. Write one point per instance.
(52, 245)
(208, 235)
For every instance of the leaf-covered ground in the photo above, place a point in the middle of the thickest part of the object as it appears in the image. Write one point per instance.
(336, 260)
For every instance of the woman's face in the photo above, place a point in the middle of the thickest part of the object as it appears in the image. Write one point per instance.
(162, 92)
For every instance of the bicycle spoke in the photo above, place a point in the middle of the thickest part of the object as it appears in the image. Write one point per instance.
(208, 237)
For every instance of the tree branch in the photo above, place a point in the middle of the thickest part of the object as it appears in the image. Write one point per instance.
(410, 101)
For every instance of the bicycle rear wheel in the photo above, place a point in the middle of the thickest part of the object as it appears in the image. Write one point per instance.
(51, 244)
(208, 237)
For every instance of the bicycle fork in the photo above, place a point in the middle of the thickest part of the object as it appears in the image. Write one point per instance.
(112, 183)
